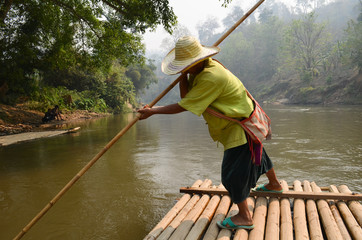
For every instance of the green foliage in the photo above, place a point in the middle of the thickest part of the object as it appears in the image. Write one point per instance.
(353, 44)
(307, 45)
(306, 76)
(47, 97)
(306, 90)
(88, 100)
(142, 75)
(73, 43)
(329, 80)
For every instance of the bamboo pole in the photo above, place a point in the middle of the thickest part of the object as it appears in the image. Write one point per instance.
(220, 214)
(354, 206)
(315, 230)
(299, 218)
(225, 234)
(259, 219)
(178, 219)
(354, 229)
(322, 188)
(286, 224)
(185, 226)
(182, 214)
(273, 220)
(241, 234)
(285, 194)
(330, 226)
(119, 135)
(156, 231)
(339, 221)
(183, 229)
(201, 224)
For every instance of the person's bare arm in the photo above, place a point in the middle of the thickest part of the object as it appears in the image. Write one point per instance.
(146, 112)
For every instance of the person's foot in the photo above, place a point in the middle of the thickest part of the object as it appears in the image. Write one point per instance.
(238, 220)
(228, 223)
(268, 188)
(274, 187)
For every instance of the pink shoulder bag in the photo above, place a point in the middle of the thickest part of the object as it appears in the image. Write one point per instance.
(257, 127)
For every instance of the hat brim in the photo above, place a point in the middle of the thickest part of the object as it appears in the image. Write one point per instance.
(170, 66)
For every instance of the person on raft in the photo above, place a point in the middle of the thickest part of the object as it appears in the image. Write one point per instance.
(206, 83)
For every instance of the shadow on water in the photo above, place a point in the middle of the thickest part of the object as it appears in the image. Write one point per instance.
(137, 181)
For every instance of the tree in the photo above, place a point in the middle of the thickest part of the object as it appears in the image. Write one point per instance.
(305, 6)
(207, 30)
(235, 14)
(353, 43)
(142, 75)
(266, 39)
(307, 45)
(118, 88)
(51, 36)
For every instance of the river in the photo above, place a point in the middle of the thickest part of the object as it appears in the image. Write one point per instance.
(137, 181)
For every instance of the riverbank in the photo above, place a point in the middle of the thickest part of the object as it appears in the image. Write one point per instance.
(17, 119)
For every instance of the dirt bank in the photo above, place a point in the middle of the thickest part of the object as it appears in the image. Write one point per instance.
(18, 120)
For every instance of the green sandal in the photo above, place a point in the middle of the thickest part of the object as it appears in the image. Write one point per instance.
(227, 221)
(262, 188)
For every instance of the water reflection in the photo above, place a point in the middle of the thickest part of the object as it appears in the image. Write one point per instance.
(135, 183)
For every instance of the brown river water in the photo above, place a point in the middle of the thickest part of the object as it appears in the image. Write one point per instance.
(137, 181)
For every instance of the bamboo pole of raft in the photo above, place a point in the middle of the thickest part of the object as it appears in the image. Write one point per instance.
(285, 194)
(201, 224)
(156, 231)
(273, 220)
(354, 228)
(259, 219)
(339, 221)
(220, 214)
(242, 234)
(354, 206)
(121, 133)
(348, 220)
(330, 226)
(211, 209)
(225, 234)
(315, 230)
(299, 218)
(286, 224)
(183, 213)
(185, 226)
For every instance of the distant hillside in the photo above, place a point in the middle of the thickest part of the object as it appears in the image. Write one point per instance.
(345, 90)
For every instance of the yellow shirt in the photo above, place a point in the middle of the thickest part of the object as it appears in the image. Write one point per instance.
(218, 88)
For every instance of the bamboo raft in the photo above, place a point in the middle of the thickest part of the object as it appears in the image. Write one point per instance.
(302, 211)
(27, 136)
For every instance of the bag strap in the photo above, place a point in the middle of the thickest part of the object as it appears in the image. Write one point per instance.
(220, 115)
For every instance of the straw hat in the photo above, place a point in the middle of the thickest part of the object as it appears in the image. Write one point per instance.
(187, 52)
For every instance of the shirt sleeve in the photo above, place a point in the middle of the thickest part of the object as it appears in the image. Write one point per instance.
(203, 92)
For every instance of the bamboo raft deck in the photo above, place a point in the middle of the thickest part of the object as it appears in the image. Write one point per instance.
(302, 211)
